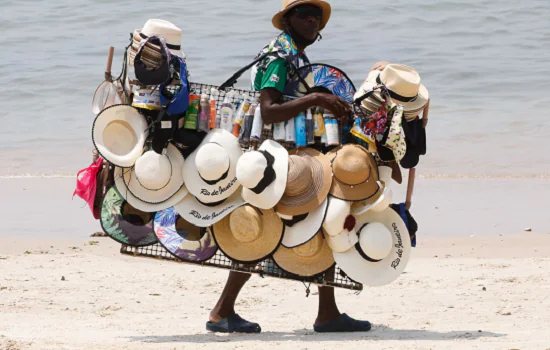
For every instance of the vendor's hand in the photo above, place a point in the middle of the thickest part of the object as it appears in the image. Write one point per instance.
(340, 108)
(380, 65)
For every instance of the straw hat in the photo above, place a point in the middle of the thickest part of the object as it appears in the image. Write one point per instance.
(337, 212)
(355, 174)
(249, 234)
(309, 259)
(384, 200)
(308, 182)
(138, 203)
(300, 229)
(182, 239)
(207, 214)
(290, 4)
(263, 174)
(125, 224)
(155, 178)
(210, 171)
(382, 252)
(119, 133)
(404, 87)
(161, 28)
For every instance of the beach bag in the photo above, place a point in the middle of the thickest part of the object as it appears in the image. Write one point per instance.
(86, 184)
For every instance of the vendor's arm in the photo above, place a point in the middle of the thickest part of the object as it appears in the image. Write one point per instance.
(272, 84)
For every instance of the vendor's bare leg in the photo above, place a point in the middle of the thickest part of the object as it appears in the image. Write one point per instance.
(226, 304)
(329, 318)
(223, 317)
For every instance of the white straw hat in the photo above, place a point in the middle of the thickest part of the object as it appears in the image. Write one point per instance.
(382, 252)
(337, 212)
(210, 171)
(119, 133)
(160, 28)
(300, 229)
(207, 214)
(263, 174)
(384, 200)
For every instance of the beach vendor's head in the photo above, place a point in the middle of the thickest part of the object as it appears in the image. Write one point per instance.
(303, 19)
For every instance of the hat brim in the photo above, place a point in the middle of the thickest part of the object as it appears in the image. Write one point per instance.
(133, 50)
(133, 121)
(325, 6)
(201, 215)
(342, 242)
(295, 264)
(273, 193)
(367, 192)
(173, 186)
(223, 189)
(379, 205)
(105, 95)
(121, 230)
(337, 212)
(388, 269)
(138, 203)
(304, 203)
(305, 230)
(269, 240)
(174, 241)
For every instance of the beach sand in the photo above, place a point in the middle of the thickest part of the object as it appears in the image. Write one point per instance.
(469, 291)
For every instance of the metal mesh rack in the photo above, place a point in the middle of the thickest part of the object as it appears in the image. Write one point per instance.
(332, 278)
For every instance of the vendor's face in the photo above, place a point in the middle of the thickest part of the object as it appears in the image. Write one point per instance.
(305, 20)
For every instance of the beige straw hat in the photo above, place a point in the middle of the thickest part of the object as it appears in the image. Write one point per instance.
(309, 259)
(308, 183)
(160, 28)
(290, 4)
(249, 234)
(355, 174)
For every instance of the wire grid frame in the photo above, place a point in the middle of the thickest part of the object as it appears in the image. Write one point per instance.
(333, 278)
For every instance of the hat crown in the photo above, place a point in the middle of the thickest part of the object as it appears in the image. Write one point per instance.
(310, 248)
(212, 161)
(299, 176)
(245, 224)
(337, 212)
(352, 165)
(167, 30)
(251, 168)
(153, 170)
(376, 240)
(401, 79)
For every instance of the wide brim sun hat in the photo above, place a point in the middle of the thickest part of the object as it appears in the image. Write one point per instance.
(300, 229)
(249, 234)
(207, 214)
(119, 133)
(290, 4)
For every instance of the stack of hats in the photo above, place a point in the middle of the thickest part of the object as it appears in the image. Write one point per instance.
(403, 85)
(152, 53)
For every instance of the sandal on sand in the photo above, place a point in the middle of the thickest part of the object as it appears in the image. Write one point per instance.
(343, 323)
(233, 323)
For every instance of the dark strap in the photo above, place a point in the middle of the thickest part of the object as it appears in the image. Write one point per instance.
(211, 205)
(295, 219)
(269, 174)
(366, 95)
(395, 95)
(170, 46)
(223, 177)
(233, 80)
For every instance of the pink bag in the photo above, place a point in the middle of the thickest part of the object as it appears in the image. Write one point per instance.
(86, 182)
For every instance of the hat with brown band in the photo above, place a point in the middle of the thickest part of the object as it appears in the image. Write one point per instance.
(249, 234)
(308, 182)
(309, 259)
(355, 174)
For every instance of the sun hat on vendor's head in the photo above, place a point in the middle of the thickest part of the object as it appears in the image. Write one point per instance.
(290, 4)
(119, 133)
(404, 87)
(308, 183)
(210, 171)
(382, 251)
(309, 259)
(160, 28)
(249, 234)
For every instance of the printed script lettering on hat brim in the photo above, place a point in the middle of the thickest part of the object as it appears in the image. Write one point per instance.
(210, 216)
(219, 191)
(399, 247)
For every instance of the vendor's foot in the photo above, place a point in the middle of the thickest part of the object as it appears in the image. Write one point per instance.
(232, 324)
(343, 323)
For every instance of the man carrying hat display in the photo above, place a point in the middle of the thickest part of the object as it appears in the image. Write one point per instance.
(301, 21)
